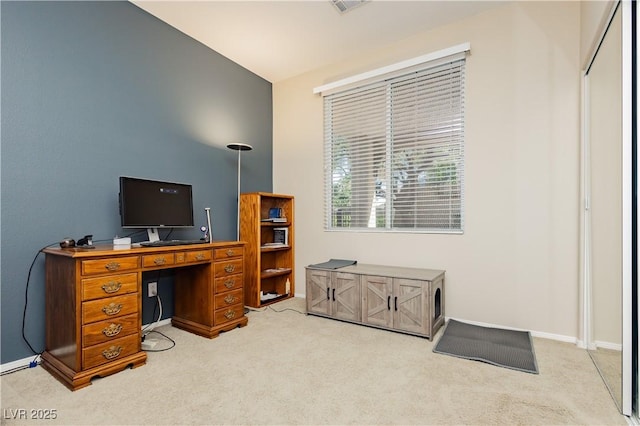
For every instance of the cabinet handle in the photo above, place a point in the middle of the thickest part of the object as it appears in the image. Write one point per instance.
(199, 256)
(111, 286)
(112, 352)
(229, 283)
(112, 309)
(230, 252)
(334, 294)
(230, 314)
(395, 302)
(230, 268)
(388, 303)
(328, 297)
(112, 330)
(112, 266)
(159, 260)
(230, 300)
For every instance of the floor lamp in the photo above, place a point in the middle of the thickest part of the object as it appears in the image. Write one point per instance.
(237, 146)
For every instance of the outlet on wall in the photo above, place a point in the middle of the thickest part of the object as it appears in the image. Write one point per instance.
(153, 289)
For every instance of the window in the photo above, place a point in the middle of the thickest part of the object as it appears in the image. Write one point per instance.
(394, 152)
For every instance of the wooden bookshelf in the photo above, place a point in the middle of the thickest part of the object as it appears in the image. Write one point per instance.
(269, 264)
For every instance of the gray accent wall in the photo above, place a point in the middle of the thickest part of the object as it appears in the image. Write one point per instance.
(91, 91)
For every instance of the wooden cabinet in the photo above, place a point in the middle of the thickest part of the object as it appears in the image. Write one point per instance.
(93, 305)
(267, 226)
(334, 294)
(397, 303)
(409, 300)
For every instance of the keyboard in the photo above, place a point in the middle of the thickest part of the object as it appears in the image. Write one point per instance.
(171, 243)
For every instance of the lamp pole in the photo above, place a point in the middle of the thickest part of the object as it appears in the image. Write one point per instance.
(237, 146)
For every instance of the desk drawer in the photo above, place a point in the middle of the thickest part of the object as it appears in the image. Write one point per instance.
(109, 307)
(112, 285)
(228, 314)
(110, 351)
(158, 260)
(226, 253)
(227, 299)
(227, 283)
(195, 256)
(228, 267)
(114, 264)
(105, 331)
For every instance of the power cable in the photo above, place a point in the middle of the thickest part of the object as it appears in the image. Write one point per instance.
(26, 301)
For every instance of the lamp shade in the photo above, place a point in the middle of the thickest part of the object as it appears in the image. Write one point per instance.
(238, 146)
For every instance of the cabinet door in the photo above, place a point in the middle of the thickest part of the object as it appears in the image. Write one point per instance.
(410, 305)
(345, 296)
(376, 300)
(318, 291)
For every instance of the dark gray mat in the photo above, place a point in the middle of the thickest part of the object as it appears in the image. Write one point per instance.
(504, 348)
(334, 264)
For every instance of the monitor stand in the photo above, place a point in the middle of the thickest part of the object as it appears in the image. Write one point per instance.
(153, 234)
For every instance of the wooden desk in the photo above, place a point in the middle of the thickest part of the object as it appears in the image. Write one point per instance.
(93, 305)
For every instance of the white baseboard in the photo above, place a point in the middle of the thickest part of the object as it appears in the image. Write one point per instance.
(608, 345)
(541, 334)
(558, 337)
(544, 335)
(24, 362)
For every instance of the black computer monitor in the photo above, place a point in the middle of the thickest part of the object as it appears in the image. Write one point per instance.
(155, 204)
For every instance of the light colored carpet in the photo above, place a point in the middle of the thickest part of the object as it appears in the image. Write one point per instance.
(287, 368)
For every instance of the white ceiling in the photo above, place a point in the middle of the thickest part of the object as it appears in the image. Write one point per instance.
(281, 39)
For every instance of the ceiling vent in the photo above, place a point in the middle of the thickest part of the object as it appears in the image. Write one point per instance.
(343, 6)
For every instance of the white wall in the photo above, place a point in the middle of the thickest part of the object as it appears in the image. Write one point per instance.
(516, 264)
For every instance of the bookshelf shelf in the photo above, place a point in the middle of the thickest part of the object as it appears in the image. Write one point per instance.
(275, 224)
(271, 273)
(265, 249)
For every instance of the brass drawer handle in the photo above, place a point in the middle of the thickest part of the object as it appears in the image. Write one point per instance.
(230, 283)
(230, 252)
(230, 300)
(230, 268)
(159, 260)
(112, 286)
(112, 266)
(112, 330)
(230, 314)
(199, 256)
(112, 309)
(112, 352)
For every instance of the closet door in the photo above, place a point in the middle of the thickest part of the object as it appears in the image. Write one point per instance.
(608, 263)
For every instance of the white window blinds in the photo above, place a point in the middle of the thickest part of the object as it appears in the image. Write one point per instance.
(394, 153)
